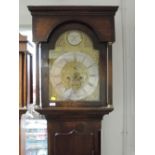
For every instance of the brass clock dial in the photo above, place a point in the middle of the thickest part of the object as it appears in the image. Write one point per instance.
(74, 70)
(74, 75)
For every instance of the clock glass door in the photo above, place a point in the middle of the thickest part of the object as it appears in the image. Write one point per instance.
(74, 68)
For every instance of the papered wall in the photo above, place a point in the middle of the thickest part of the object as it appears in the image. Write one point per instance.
(118, 126)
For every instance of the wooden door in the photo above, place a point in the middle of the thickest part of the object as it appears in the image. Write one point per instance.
(74, 138)
(73, 143)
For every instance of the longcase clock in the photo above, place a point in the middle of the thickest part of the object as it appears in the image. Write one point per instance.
(74, 74)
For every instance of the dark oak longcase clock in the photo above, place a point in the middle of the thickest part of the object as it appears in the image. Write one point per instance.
(74, 74)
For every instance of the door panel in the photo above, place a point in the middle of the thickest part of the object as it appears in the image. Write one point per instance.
(73, 143)
(74, 138)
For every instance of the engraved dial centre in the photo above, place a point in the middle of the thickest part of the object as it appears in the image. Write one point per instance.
(71, 75)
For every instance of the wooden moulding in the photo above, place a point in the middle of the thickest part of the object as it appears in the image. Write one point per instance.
(65, 112)
(99, 18)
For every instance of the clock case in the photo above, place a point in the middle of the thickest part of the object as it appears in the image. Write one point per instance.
(49, 22)
(74, 128)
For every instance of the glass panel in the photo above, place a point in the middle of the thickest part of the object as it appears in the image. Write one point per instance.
(73, 68)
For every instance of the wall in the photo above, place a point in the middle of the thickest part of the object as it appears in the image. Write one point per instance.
(118, 126)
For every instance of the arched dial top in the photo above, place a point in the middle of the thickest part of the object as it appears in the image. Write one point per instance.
(74, 75)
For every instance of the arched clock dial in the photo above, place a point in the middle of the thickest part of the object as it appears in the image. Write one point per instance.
(74, 76)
